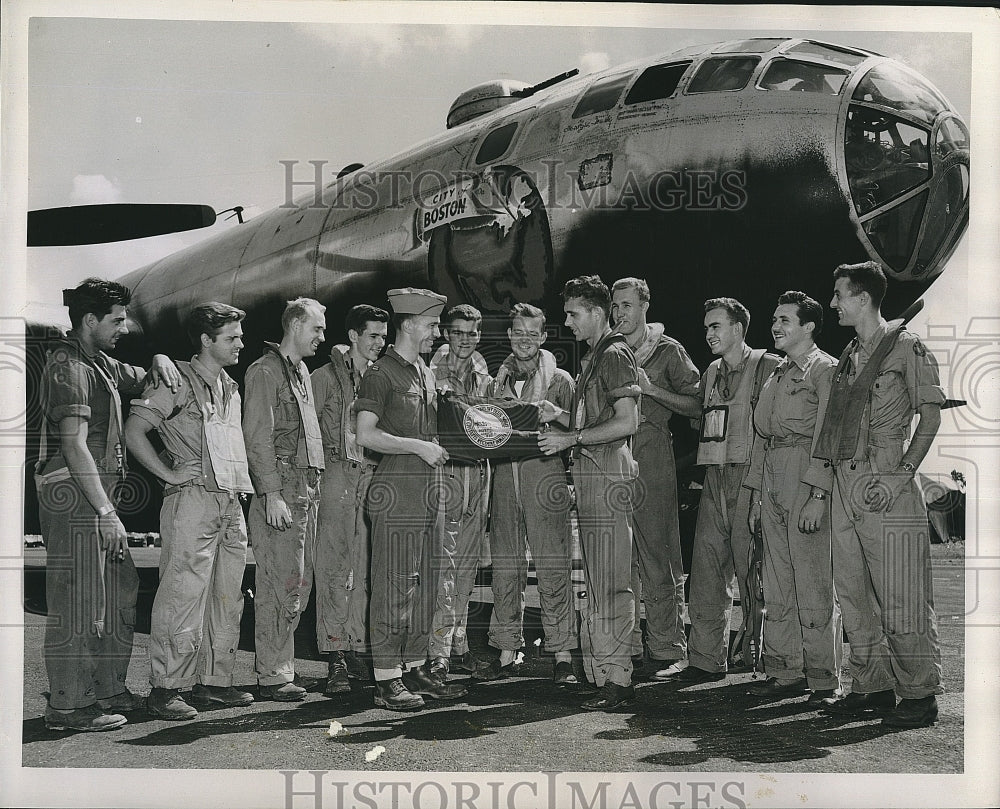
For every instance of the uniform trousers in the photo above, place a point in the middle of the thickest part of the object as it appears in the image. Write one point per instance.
(199, 600)
(802, 628)
(657, 537)
(882, 564)
(531, 513)
(284, 572)
(721, 544)
(604, 509)
(407, 520)
(466, 489)
(84, 584)
(342, 558)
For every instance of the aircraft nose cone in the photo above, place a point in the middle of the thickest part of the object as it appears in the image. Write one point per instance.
(907, 170)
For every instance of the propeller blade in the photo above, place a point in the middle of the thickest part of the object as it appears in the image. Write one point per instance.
(98, 224)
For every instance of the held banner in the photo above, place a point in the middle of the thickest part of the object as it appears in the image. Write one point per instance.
(482, 427)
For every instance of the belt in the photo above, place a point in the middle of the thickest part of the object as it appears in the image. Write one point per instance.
(774, 442)
(169, 490)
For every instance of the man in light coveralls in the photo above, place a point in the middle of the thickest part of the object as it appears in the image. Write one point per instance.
(881, 544)
(285, 450)
(342, 553)
(531, 510)
(199, 602)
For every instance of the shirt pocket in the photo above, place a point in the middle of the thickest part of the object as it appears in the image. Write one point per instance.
(286, 416)
(407, 409)
(799, 406)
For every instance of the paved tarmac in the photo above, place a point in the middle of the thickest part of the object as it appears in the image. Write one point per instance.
(517, 724)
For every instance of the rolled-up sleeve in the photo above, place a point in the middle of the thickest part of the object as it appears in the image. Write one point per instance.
(923, 381)
(679, 372)
(158, 403)
(69, 386)
(618, 370)
(258, 429)
(374, 392)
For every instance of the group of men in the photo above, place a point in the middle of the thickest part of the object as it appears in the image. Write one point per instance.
(354, 492)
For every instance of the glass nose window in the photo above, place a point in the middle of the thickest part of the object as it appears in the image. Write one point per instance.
(889, 86)
(885, 156)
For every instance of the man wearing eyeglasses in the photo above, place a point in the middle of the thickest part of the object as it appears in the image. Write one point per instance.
(530, 510)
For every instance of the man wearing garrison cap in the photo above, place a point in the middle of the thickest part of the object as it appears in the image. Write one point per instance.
(397, 417)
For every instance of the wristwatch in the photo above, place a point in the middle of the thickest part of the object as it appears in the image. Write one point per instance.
(104, 511)
(820, 495)
(906, 466)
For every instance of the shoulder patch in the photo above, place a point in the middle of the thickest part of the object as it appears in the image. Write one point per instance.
(918, 348)
(374, 367)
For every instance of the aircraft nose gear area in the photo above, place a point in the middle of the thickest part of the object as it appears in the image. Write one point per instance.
(906, 156)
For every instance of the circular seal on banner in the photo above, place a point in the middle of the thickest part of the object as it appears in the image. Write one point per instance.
(487, 426)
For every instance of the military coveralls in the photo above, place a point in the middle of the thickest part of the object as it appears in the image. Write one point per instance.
(285, 452)
(530, 510)
(603, 476)
(655, 520)
(466, 491)
(802, 632)
(722, 536)
(199, 601)
(342, 541)
(881, 560)
(91, 595)
(404, 505)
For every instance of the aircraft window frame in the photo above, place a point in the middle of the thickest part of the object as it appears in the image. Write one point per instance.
(817, 67)
(882, 162)
(600, 92)
(751, 45)
(753, 63)
(494, 138)
(654, 72)
(827, 53)
(911, 87)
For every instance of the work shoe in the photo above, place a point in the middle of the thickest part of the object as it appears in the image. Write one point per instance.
(773, 688)
(492, 670)
(562, 673)
(392, 694)
(693, 675)
(855, 704)
(439, 668)
(611, 697)
(167, 703)
(221, 694)
(912, 713)
(467, 662)
(359, 667)
(88, 719)
(419, 680)
(824, 696)
(283, 692)
(671, 671)
(121, 703)
(337, 681)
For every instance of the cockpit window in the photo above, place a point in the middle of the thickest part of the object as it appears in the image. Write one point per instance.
(602, 95)
(951, 136)
(841, 57)
(885, 156)
(761, 45)
(805, 77)
(658, 81)
(715, 75)
(890, 86)
(496, 143)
